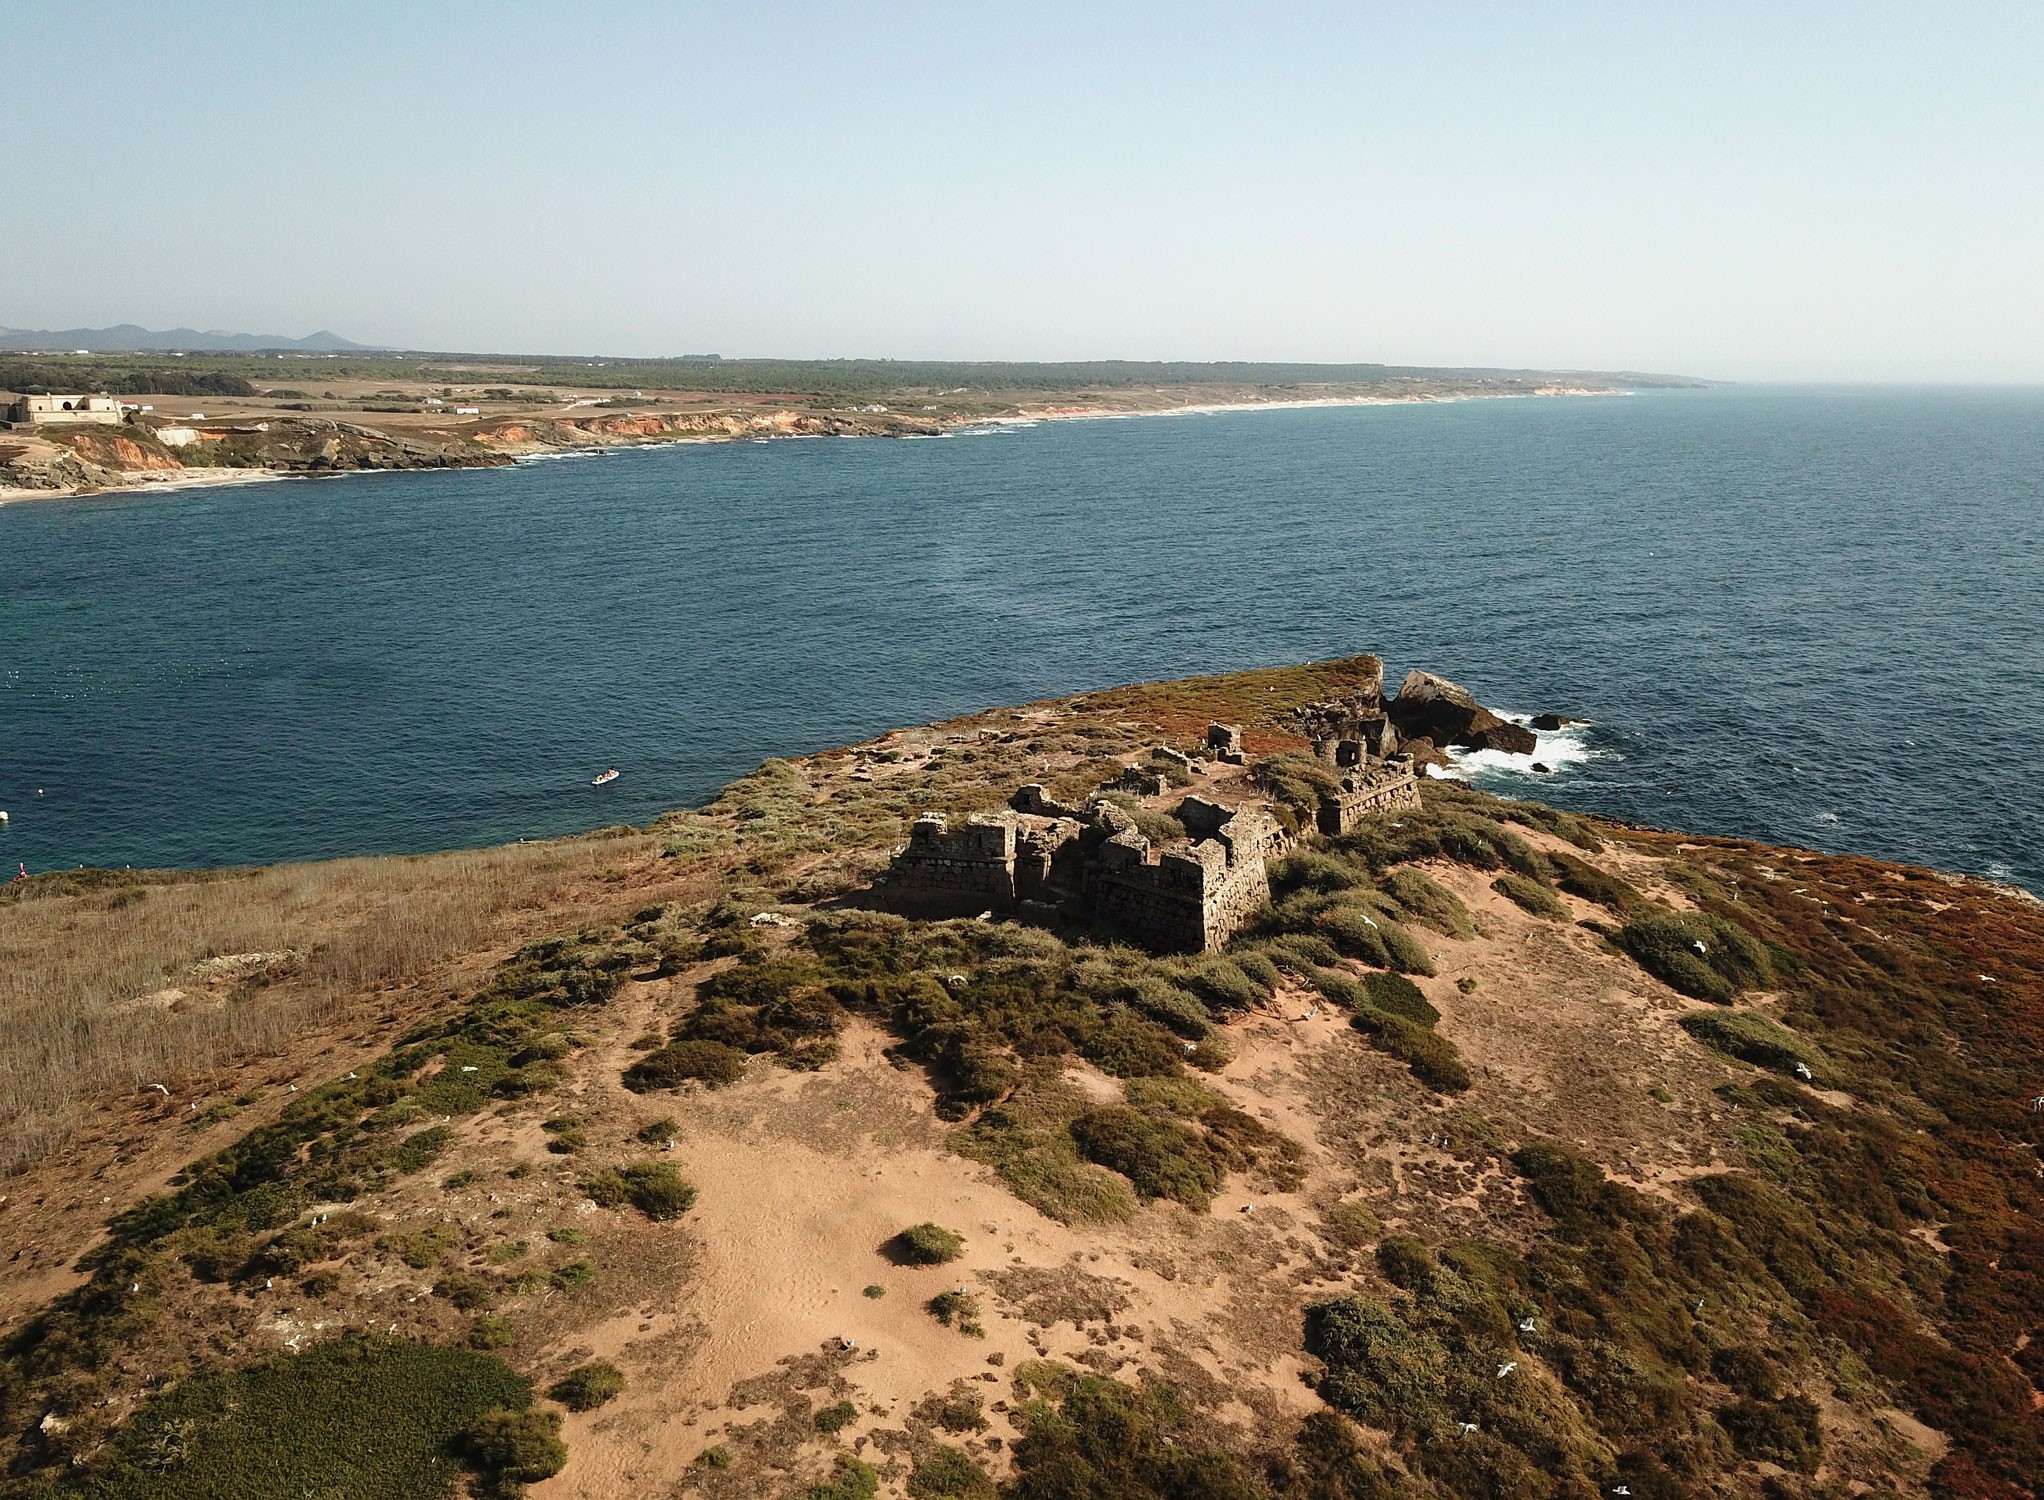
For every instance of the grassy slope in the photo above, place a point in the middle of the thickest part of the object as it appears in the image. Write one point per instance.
(1862, 1242)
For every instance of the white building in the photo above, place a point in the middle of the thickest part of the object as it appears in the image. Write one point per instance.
(38, 410)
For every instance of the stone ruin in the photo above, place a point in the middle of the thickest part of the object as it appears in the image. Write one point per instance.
(1185, 896)
(1225, 741)
(1189, 895)
(1366, 789)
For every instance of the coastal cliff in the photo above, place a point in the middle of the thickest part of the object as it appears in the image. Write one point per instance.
(265, 434)
(1504, 1151)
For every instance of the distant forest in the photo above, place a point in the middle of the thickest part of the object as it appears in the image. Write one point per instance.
(117, 377)
(243, 374)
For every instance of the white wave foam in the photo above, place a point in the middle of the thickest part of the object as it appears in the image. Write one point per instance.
(1559, 750)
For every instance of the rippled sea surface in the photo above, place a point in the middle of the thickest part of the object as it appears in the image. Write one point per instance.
(1815, 617)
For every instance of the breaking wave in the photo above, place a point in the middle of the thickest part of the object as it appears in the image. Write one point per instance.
(1558, 752)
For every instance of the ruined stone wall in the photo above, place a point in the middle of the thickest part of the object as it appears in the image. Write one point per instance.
(1161, 905)
(1185, 898)
(1192, 897)
(957, 871)
(1048, 861)
(1367, 793)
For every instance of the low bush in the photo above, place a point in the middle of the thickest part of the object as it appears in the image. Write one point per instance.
(1784, 1432)
(1104, 1439)
(514, 1447)
(366, 1417)
(1755, 1038)
(468, 1292)
(851, 1480)
(1704, 957)
(945, 1473)
(654, 1188)
(1356, 934)
(1433, 1059)
(1531, 895)
(1160, 1157)
(1396, 995)
(711, 1063)
(831, 1420)
(1405, 1261)
(927, 1244)
(958, 1309)
(587, 1387)
(1315, 870)
(572, 1276)
(1350, 1225)
(1428, 902)
(1407, 954)
(1581, 878)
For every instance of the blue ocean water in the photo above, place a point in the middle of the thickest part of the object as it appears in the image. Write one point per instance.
(1811, 616)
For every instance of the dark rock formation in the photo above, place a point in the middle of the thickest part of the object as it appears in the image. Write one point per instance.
(1447, 713)
(1548, 723)
(1511, 739)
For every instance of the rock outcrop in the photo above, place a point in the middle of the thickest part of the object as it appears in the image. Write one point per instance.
(1433, 708)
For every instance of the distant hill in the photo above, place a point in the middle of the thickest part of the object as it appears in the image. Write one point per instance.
(125, 337)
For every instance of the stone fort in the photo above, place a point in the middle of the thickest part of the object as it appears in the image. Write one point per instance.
(1187, 895)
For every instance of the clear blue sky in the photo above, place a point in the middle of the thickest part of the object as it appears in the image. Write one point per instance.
(1768, 191)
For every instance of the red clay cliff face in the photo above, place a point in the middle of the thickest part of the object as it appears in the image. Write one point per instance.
(113, 451)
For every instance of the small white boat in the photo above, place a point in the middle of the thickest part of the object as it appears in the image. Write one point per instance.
(605, 778)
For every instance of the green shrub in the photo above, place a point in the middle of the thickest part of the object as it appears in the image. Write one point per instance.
(1315, 870)
(1785, 1432)
(1407, 955)
(366, 1417)
(1301, 952)
(587, 1387)
(946, 1473)
(491, 1332)
(654, 1188)
(1581, 878)
(852, 1481)
(658, 1132)
(711, 1063)
(1747, 1371)
(959, 1309)
(573, 1275)
(1160, 1157)
(1433, 1059)
(1103, 1440)
(509, 1447)
(1351, 1225)
(1532, 895)
(1704, 957)
(467, 1292)
(1224, 984)
(1428, 902)
(831, 1420)
(1405, 1261)
(1379, 1370)
(1354, 933)
(1755, 1038)
(927, 1244)
(1258, 969)
(1396, 995)
(1032, 1151)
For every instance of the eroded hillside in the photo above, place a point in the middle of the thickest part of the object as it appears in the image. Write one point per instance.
(1509, 1153)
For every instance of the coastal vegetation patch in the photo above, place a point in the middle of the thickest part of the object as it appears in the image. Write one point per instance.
(361, 1416)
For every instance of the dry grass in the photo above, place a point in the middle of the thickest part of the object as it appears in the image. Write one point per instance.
(101, 989)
